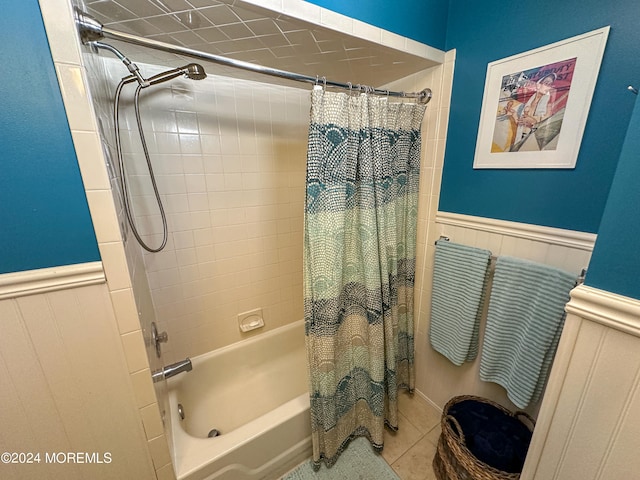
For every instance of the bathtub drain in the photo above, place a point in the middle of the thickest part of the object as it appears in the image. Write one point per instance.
(213, 433)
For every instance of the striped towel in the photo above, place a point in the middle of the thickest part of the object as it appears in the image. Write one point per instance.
(459, 276)
(526, 315)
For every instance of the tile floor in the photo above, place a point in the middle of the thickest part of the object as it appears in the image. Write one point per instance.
(410, 450)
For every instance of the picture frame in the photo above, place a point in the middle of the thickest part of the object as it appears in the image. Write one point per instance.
(535, 104)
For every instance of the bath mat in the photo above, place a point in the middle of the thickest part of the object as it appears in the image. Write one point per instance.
(357, 462)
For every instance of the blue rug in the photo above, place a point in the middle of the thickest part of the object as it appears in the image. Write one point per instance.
(358, 462)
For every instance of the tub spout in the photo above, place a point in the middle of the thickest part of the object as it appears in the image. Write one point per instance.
(172, 370)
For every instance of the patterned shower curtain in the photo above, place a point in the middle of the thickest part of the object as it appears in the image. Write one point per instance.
(363, 166)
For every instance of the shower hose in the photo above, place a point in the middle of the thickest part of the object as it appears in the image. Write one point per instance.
(123, 172)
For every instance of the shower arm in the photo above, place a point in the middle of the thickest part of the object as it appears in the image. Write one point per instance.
(132, 67)
(91, 30)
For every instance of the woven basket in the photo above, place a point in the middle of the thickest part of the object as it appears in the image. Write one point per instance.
(454, 461)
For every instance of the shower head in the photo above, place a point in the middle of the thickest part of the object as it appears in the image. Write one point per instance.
(193, 71)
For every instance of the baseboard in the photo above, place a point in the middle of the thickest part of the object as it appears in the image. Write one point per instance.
(427, 399)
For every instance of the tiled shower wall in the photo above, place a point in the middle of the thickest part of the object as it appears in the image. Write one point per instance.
(229, 159)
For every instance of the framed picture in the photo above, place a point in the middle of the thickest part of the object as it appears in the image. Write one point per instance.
(535, 104)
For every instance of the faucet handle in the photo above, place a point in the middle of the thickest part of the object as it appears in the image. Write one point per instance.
(158, 338)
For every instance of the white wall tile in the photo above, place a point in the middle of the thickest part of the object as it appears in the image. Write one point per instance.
(63, 41)
(103, 214)
(126, 311)
(367, 32)
(166, 473)
(143, 388)
(94, 173)
(189, 144)
(187, 122)
(393, 40)
(302, 10)
(76, 98)
(152, 421)
(115, 265)
(134, 350)
(336, 21)
(159, 451)
(167, 142)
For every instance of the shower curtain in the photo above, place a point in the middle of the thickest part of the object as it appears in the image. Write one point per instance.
(363, 166)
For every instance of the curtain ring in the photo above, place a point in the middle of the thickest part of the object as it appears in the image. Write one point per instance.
(317, 80)
(324, 82)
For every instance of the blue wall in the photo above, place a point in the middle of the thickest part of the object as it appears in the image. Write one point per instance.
(615, 263)
(482, 32)
(44, 218)
(422, 20)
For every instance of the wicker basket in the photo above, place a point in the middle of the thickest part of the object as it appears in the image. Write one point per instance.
(454, 461)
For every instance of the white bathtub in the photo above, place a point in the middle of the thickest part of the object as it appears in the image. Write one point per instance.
(255, 393)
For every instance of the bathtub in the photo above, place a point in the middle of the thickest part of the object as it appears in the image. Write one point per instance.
(255, 393)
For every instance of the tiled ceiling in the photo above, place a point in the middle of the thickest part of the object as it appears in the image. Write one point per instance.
(247, 32)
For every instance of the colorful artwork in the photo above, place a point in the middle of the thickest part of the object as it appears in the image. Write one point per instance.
(531, 108)
(536, 103)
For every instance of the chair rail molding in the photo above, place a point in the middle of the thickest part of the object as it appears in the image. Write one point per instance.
(609, 309)
(551, 235)
(31, 282)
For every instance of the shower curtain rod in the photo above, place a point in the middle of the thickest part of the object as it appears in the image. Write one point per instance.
(92, 30)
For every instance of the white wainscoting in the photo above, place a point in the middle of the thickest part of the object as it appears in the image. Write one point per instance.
(438, 379)
(589, 422)
(65, 384)
(72, 355)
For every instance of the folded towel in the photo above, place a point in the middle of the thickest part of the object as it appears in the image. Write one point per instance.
(525, 319)
(459, 276)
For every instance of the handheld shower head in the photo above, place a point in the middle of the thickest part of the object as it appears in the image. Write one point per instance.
(193, 71)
